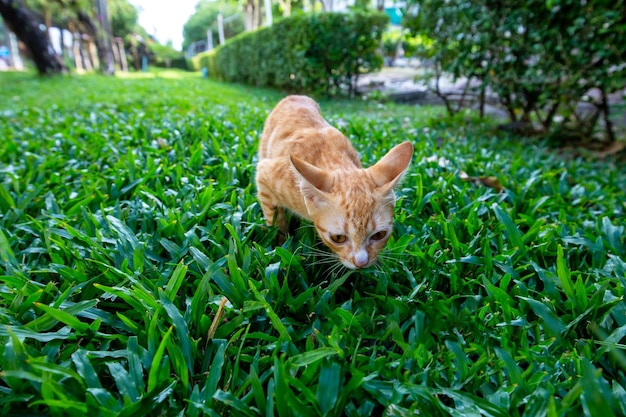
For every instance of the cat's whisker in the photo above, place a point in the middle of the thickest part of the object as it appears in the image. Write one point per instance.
(319, 254)
(336, 270)
(323, 257)
(310, 250)
(389, 203)
(312, 254)
(326, 261)
(315, 247)
(305, 226)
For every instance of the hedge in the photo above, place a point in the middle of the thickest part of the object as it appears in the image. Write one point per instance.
(321, 53)
(193, 63)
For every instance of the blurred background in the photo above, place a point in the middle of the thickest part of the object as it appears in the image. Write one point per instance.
(86, 34)
(555, 68)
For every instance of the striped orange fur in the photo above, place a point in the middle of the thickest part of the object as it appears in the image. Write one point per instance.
(308, 167)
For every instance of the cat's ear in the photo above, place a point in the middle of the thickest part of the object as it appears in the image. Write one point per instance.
(389, 170)
(313, 176)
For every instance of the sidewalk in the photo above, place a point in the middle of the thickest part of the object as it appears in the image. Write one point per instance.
(402, 85)
(399, 84)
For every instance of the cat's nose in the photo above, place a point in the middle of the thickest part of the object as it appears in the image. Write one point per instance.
(361, 259)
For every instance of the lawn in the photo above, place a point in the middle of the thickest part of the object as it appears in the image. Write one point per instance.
(137, 276)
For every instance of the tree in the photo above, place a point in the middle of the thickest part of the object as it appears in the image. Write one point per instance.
(541, 58)
(123, 18)
(99, 19)
(195, 29)
(89, 16)
(27, 27)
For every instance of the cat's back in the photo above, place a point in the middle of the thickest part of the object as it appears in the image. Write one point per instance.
(293, 117)
(301, 111)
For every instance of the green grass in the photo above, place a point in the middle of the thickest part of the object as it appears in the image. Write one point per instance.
(128, 213)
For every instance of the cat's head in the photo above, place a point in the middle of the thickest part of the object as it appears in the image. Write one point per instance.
(353, 210)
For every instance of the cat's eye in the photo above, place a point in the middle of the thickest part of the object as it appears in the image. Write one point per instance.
(338, 238)
(379, 235)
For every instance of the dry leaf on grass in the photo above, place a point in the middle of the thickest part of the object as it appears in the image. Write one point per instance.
(162, 143)
(613, 149)
(440, 160)
(491, 182)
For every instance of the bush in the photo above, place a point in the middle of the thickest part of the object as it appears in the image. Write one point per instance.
(193, 63)
(391, 39)
(179, 62)
(412, 45)
(166, 56)
(321, 53)
(541, 58)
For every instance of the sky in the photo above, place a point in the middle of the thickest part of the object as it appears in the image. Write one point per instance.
(165, 18)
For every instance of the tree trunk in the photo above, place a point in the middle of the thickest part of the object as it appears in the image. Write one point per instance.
(103, 44)
(78, 59)
(47, 20)
(606, 113)
(16, 59)
(107, 63)
(93, 54)
(27, 27)
(250, 14)
(122, 51)
(116, 53)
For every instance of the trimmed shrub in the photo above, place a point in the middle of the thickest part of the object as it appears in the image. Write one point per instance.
(165, 56)
(179, 62)
(193, 63)
(322, 53)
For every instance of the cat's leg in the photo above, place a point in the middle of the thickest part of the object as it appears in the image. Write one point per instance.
(274, 214)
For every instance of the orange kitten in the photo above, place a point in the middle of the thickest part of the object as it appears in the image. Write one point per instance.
(310, 168)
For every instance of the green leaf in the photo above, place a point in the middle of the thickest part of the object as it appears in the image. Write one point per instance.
(328, 386)
(182, 330)
(135, 368)
(6, 201)
(512, 231)
(276, 322)
(553, 325)
(6, 254)
(215, 372)
(233, 402)
(155, 366)
(123, 231)
(129, 391)
(64, 406)
(65, 318)
(176, 280)
(513, 370)
(63, 334)
(150, 400)
(310, 357)
(564, 275)
(595, 391)
(85, 369)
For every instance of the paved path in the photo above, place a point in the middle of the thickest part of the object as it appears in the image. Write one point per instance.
(400, 85)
